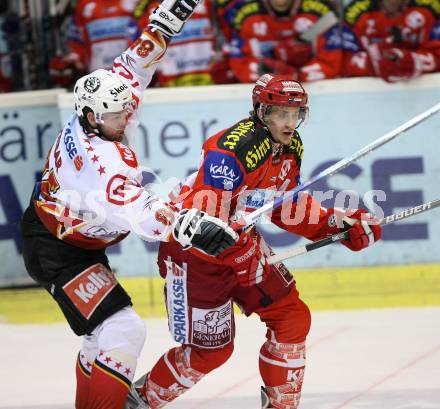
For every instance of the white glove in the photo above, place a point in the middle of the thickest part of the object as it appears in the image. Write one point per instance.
(197, 229)
(170, 16)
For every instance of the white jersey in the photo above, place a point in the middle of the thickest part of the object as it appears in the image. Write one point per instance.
(91, 194)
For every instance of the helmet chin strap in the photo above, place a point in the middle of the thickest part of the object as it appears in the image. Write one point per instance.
(262, 111)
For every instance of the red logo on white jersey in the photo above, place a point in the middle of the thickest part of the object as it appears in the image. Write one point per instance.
(88, 289)
(121, 190)
(78, 162)
(127, 155)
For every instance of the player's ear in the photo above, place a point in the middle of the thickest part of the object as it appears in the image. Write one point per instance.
(91, 119)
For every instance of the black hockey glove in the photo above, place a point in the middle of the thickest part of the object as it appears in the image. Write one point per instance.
(197, 229)
(170, 15)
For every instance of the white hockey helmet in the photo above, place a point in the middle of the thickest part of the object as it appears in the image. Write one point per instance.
(101, 91)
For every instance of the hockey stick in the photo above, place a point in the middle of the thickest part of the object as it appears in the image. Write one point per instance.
(323, 24)
(297, 251)
(251, 218)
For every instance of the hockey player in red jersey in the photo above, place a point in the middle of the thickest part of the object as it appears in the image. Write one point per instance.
(266, 39)
(90, 197)
(99, 31)
(102, 30)
(194, 58)
(396, 40)
(243, 168)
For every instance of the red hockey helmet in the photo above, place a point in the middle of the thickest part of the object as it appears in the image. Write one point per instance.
(278, 90)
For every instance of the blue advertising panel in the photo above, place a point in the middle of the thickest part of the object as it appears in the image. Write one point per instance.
(26, 134)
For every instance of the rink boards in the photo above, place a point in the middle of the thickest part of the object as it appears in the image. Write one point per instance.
(345, 115)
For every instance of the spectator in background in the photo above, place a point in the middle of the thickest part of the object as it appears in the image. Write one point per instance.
(223, 10)
(396, 40)
(267, 38)
(5, 84)
(100, 31)
(9, 29)
(196, 56)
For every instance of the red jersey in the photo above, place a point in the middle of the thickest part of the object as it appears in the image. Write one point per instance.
(192, 57)
(240, 172)
(259, 32)
(416, 28)
(222, 10)
(103, 29)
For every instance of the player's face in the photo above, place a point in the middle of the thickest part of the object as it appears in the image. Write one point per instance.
(282, 122)
(280, 5)
(393, 6)
(114, 124)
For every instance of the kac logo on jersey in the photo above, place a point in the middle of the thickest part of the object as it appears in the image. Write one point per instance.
(222, 171)
(285, 169)
(121, 190)
(127, 155)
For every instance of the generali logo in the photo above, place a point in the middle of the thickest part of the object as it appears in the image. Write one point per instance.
(88, 289)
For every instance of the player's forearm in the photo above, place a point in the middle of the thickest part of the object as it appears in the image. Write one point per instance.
(135, 210)
(322, 68)
(427, 61)
(137, 64)
(304, 217)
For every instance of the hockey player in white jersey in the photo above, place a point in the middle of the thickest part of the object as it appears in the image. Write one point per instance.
(90, 197)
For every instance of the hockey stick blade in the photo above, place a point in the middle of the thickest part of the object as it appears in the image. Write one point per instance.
(251, 218)
(297, 251)
(323, 24)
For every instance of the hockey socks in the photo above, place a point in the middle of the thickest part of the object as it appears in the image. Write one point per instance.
(282, 369)
(171, 376)
(83, 373)
(179, 370)
(107, 385)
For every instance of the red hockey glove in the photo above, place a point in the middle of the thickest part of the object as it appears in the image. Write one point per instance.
(247, 259)
(269, 66)
(66, 69)
(362, 230)
(221, 72)
(293, 52)
(5, 84)
(397, 65)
